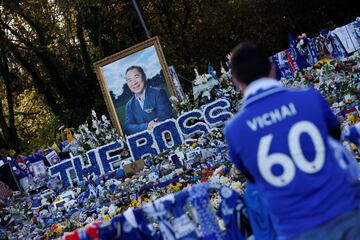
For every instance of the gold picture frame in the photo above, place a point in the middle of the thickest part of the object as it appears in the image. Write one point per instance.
(106, 72)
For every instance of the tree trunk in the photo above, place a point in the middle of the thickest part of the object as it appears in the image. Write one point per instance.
(83, 48)
(5, 72)
(43, 88)
(51, 65)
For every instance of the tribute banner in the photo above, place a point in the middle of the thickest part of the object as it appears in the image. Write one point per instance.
(165, 135)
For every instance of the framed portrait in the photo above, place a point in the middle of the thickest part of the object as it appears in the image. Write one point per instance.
(53, 157)
(136, 86)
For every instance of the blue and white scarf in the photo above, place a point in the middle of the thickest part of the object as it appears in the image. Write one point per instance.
(199, 199)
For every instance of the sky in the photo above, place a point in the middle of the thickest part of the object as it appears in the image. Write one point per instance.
(114, 73)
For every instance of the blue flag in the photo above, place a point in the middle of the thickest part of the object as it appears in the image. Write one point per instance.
(298, 58)
(84, 195)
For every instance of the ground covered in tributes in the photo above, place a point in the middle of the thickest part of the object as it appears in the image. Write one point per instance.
(48, 210)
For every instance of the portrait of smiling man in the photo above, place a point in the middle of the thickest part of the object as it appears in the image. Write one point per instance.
(148, 106)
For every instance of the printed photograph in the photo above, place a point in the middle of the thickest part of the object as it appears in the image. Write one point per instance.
(137, 88)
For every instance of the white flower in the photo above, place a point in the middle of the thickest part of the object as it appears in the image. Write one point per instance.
(93, 113)
(94, 124)
(215, 200)
(223, 71)
(174, 99)
(196, 73)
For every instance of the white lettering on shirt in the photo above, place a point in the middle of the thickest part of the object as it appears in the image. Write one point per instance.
(271, 117)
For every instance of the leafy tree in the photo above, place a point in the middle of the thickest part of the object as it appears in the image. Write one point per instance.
(48, 47)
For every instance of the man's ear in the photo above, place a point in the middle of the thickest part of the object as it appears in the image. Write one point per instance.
(242, 86)
(272, 73)
(239, 85)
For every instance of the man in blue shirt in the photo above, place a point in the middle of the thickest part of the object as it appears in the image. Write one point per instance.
(280, 141)
(148, 106)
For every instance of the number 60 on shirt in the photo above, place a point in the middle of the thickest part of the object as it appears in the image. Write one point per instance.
(297, 159)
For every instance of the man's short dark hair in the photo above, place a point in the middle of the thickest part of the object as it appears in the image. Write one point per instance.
(140, 69)
(249, 63)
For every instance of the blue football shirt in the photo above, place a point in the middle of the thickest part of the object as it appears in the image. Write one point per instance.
(280, 138)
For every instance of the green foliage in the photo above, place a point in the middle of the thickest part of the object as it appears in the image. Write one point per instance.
(44, 136)
(36, 125)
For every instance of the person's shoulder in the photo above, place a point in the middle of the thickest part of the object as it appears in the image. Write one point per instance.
(302, 94)
(130, 102)
(152, 89)
(312, 91)
(303, 91)
(155, 91)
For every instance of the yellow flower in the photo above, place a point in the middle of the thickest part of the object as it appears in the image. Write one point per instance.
(175, 187)
(59, 230)
(135, 203)
(323, 61)
(351, 118)
(353, 147)
(119, 210)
